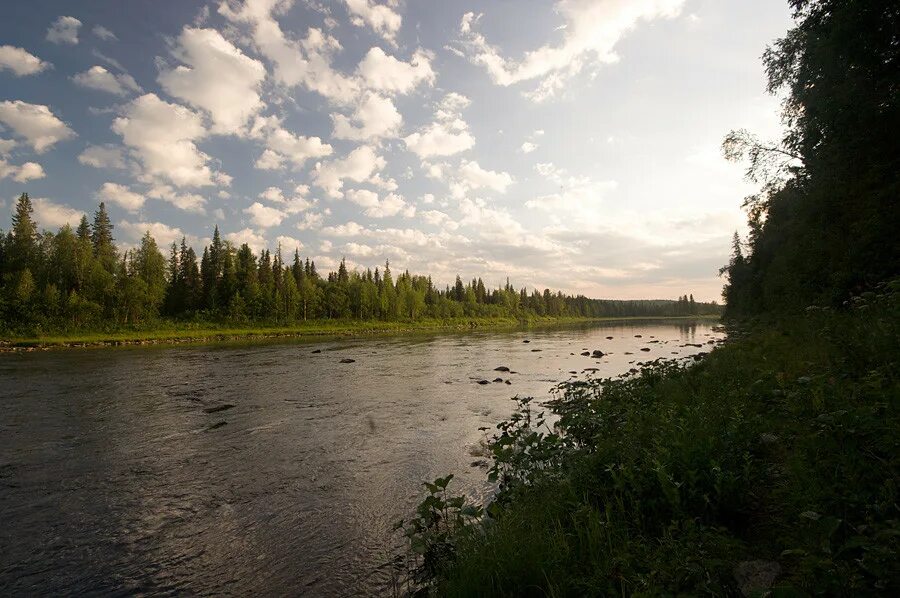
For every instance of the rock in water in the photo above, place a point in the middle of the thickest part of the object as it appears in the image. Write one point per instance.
(483, 382)
(526, 341)
(317, 351)
(598, 353)
(218, 408)
(348, 360)
(646, 349)
(502, 368)
(586, 353)
(498, 379)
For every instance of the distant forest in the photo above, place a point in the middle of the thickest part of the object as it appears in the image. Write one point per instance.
(78, 280)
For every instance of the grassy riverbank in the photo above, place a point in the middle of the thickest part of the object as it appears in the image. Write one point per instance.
(772, 462)
(179, 332)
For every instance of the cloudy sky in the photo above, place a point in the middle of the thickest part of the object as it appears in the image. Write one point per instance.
(570, 144)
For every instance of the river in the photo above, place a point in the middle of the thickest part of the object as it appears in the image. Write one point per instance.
(267, 468)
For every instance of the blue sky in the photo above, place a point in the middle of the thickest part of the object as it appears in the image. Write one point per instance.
(570, 144)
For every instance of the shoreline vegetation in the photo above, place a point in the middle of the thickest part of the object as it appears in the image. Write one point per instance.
(771, 467)
(177, 333)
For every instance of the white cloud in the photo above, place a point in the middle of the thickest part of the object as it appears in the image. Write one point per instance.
(6, 146)
(528, 147)
(357, 166)
(51, 215)
(162, 137)
(448, 135)
(310, 220)
(382, 19)
(21, 62)
(64, 30)
(439, 219)
(471, 176)
(215, 77)
(101, 79)
(291, 205)
(103, 156)
(577, 201)
(164, 234)
(592, 30)
(269, 160)
(348, 229)
(189, 202)
(391, 205)
(254, 241)
(306, 62)
(374, 117)
(35, 123)
(28, 171)
(288, 244)
(122, 196)
(264, 216)
(104, 33)
(283, 145)
(384, 73)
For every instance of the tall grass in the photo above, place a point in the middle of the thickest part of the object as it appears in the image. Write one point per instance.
(781, 446)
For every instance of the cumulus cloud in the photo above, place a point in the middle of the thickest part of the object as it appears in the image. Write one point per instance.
(384, 73)
(254, 241)
(6, 146)
(282, 145)
(189, 202)
(288, 244)
(528, 147)
(380, 18)
(357, 166)
(101, 79)
(215, 77)
(21, 62)
(162, 138)
(264, 216)
(439, 219)
(310, 221)
(103, 33)
(375, 207)
(164, 234)
(103, 156)
(592, 29)
(28, 171)
(304, 62)
(290, 205)
(122, 196)
(35, 123)
(64, 30)
(51, 215)
(374, 117)
(447, 135)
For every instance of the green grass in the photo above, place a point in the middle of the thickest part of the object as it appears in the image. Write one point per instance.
(172, 332)
(780, 446)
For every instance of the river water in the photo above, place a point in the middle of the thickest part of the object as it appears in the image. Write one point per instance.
(261, 468)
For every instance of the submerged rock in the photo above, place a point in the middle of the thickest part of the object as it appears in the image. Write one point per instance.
(609, 338)
(216, 426)
(598, 353)
(638, 336)
(507, 382)
(646, 349)
(501, 368)
(348, 360)
(536, 350)
(317, 351)
(483, 382)
(498, 379)
(526, 341)
(586, 353)
(218, 408)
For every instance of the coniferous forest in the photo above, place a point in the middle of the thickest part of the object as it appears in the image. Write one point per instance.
(75, 280)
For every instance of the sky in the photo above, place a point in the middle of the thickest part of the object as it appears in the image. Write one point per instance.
(571, 144)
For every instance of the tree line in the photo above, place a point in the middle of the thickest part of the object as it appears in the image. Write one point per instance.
(825, 225)
(78, 279)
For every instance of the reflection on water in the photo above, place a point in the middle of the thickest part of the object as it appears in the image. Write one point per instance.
(264, 467)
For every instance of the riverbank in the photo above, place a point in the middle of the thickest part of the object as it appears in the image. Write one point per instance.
(771, 464)
(180, 333)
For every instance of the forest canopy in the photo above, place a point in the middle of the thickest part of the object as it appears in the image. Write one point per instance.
(78, 279)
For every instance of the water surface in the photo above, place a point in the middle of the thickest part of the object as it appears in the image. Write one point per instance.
(264, 468)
